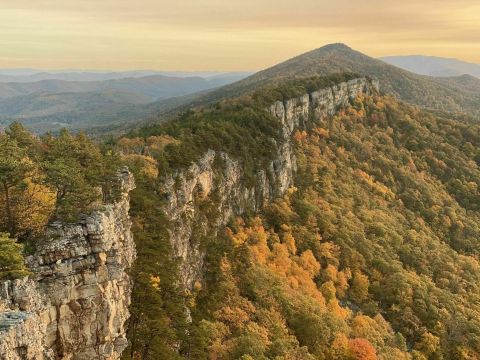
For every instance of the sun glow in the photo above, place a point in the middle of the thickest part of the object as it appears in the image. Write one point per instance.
(220, 35)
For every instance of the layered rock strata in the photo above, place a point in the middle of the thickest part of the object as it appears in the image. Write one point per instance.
(75, 303)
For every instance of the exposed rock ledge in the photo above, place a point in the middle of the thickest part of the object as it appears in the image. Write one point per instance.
(227, 190)
(75, 303)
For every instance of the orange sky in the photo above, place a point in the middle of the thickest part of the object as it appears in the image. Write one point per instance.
(226, 34)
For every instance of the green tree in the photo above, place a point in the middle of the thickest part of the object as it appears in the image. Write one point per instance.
(80, 174)
(12, 263)
(158, 320)
(24, 138)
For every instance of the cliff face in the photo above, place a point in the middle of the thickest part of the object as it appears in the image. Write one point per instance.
(202, 198)
(75, 303)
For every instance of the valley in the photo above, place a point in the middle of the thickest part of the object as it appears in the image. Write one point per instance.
(52, 104)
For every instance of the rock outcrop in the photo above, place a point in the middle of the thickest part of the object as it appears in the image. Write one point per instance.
(201, 199)
(75, 303)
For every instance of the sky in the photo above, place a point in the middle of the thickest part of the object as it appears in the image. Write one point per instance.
(226, 35)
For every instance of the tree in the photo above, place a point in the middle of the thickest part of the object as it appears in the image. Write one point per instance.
(362, 350)
(12, 264)
(79, 173)
(72, 191)
(428, 344)
(359, 288)
(33, 207)
(24, 138)
(14, 169)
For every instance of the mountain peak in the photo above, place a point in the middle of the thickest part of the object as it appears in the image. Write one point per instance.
(338, 58)
(335, 46)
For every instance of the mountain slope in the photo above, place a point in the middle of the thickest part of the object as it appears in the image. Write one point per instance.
(36, 105)
(50, 112)
(371, 254)
(315, 219)
(433, 65)
(420, 90)
(425, 91)
(462, 83)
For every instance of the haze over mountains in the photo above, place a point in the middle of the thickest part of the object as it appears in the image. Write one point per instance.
(104, 102)
(153, 87)
(79, 100)
(433, 65)
(32, 75)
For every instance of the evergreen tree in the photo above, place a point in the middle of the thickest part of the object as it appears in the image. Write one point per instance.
(12, 264)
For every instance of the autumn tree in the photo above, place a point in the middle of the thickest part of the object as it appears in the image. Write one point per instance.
(14, 169)
(359, 287)
(361, 349)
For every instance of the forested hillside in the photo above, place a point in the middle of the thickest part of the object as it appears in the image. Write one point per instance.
(47, 179)
(373, 254)
(454, 95)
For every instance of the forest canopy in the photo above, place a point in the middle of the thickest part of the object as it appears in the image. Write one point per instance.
(49, 178)
(372, 255)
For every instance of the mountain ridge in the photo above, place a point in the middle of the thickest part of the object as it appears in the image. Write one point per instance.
(366, 241)
(425, 91)
(32, 75)
(434, 65)
(51, 104)
(457, 95)
(151, 85)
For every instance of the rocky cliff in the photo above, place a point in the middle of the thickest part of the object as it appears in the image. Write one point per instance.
(75, 303)
(202, 198)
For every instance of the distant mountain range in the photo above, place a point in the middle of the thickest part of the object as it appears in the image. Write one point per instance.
(153, 87)
(433, 65)
(50, 104)
(120, 104)
(32, 75)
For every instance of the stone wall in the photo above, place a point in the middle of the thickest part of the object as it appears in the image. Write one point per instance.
(75, 303)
